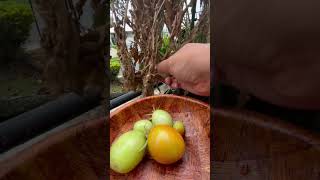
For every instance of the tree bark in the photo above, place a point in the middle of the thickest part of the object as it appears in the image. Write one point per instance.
(76, 62)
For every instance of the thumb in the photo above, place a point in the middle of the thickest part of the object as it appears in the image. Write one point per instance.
(165, 67)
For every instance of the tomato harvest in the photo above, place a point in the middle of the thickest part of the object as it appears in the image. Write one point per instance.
(165, 144)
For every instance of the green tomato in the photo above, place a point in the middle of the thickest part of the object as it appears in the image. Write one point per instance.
(143, 126)
(178, 126)
(161, 117)
(127, 151)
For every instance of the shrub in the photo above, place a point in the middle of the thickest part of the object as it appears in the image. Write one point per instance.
(114, 67)
(15, 23)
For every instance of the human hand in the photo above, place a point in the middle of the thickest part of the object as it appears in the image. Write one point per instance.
(189, 69)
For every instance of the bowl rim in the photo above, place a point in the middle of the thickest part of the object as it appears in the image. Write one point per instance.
(139, 100)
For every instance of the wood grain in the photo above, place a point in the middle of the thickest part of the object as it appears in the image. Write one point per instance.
(78, 152)
(251, 146)
(195, 163)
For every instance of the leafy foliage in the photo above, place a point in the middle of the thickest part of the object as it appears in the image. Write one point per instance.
(165, 45)
(15, 23)
(114, 46)
(114, 67)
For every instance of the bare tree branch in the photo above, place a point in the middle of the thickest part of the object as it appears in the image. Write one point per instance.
(148, 18)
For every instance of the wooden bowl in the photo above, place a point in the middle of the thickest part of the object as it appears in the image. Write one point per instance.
(251, 146)
(76, 152)
(195, 115)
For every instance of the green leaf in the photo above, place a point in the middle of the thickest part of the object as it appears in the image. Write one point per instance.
(15, 23)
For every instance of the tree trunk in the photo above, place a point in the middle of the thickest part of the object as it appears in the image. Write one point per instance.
(76, 62)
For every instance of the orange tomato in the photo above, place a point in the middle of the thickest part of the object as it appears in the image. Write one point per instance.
(165, 144)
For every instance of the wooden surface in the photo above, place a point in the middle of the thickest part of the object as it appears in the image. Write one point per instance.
(76, 152)
(254, 147)
(195, 163)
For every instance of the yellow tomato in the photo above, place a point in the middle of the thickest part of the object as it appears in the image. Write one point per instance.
(179, 127)
(165, 144)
